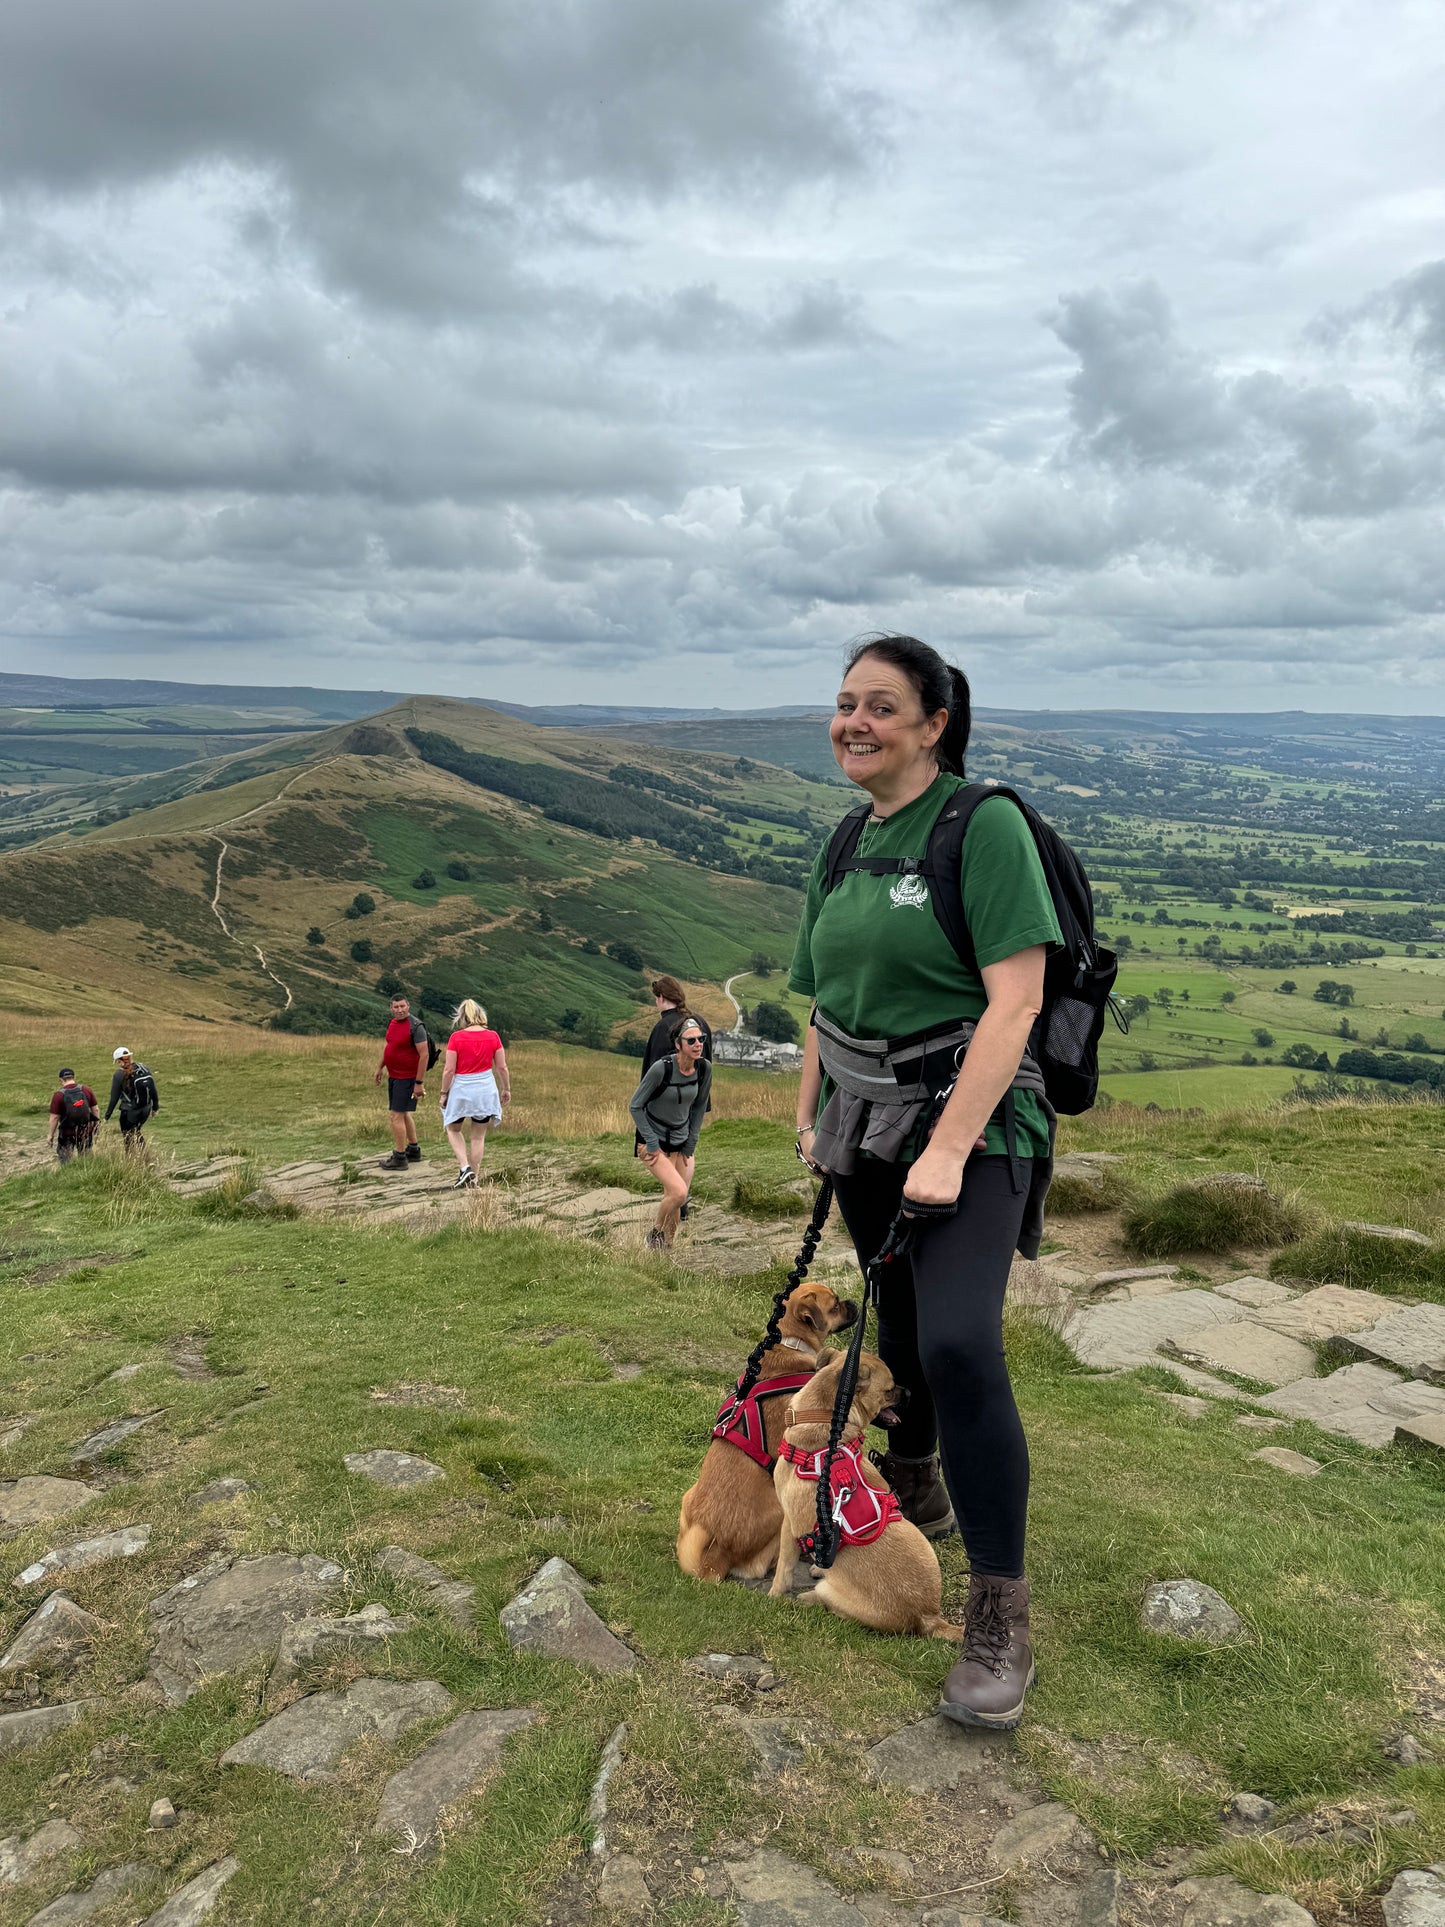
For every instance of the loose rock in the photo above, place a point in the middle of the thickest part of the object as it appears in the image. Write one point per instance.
(551, 1617)
(304, 1640)
(1257, 1422)
(196, 1899)
(1036, 1833)
(1405, 1748)
(778, 1743)
(933, 1755)
(1283, 1460)
(30, 1728)
(1222, 1902)
(69, 1910)
(458, 1760)
(623, 1889)
(306, 1741)
(124, 1543)
(35, 1500)
(746, 1668)
(454, 1597)
(231, 1612)
(1099, 1898)
(1416, 1899)
(397, 1471)
(110, 1435)
(1428, 1429)
(221, 1492)
(163, 1814)
(52, 1639)
(597, 1802)
(1396, 1233)
(1253, 1809)
(19, 1858)
(774, 1891)
(1132, 1274)
(1188, 1609)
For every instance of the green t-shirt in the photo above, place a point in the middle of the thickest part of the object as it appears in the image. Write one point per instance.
(871, 953)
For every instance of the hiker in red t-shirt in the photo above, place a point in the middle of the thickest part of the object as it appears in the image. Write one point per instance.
(74, 1115)
(476, 1083)
(404, 1066)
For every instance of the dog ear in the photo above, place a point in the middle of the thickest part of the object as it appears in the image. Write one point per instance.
(810, 1313)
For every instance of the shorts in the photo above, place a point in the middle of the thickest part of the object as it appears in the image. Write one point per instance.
(401, 1094)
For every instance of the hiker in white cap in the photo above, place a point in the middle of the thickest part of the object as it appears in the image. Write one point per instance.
(134, 1088)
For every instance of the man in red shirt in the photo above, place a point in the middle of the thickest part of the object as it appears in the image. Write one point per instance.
(73, 1116)
(403, 1065)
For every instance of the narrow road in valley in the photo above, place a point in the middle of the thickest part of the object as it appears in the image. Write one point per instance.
(219, 915)
(737, 1007)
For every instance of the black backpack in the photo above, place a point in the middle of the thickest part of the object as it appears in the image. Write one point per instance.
(1078, 977)
(433, 1050)
(74, 1109)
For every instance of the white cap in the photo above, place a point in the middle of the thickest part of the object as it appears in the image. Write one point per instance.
(117, 1054)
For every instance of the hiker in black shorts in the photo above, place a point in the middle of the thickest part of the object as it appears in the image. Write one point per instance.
(74, 1115)
(134, 1088)
(671, 1000)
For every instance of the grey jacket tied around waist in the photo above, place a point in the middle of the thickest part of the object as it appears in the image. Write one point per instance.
(882, 1088)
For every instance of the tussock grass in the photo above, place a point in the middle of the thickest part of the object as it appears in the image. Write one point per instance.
(1216, 1214)
(231, 1195)
(1336, 1256)
(1072, 1196)
(760, 1199)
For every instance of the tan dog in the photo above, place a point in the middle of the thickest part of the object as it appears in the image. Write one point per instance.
(893, 1583)
(730, 1518)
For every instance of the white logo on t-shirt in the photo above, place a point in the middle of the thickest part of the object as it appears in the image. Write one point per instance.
(910, 892)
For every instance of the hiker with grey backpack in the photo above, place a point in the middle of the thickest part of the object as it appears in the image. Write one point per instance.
(133, 1089)
(948, 947)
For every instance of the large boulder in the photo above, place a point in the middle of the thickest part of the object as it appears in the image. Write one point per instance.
(551, 1617)
(306, 1740)
(36, 1500)
(52, 1638)
(232, 1612)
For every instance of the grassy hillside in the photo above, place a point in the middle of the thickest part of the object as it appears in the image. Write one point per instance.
(537, 871)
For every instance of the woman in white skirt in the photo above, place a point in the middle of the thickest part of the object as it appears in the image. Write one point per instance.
(473, 1091)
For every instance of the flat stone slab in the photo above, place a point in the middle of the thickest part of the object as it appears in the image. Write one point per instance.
(1130, 1275)
(232, 1612)
(19, 1858)
(1363, 1402)
(196, 1899)
(1428, 1429)
(307, 1740)
(747, 1668)
(305, 1640)
(1188, 1609)
(1036, 1833)
(19, 1731)
(111, 1435)
(1257, 1292)
(1395, 1233)
(933, 1755)
(1414, 1340)
(1222, 1902)
(454, 1597)
(456, 1763)
(1125, 1335)
(622, 1887)
(778, 1743)
(551, 1617)
(774, 1891)
(1257, 1422)
(1416, 1899)
(1326, 1312)
(1204, 1383)
(1249, 1351)
(1184, 1403)
(124, 1543)
(69, 1910)
(1283, 1460)
(397, 1471)
(37, 1499)
(221, 1492)
(52, 1638)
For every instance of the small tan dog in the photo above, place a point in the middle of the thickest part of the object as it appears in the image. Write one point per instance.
(885, 1574)
(730, 1518)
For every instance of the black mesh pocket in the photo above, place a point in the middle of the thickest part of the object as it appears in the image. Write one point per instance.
(1072, 1029)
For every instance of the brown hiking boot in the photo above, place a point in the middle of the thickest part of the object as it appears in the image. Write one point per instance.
(987, 1685)
(922, 1496)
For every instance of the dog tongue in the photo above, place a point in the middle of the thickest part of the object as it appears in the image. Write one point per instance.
(887, 1417)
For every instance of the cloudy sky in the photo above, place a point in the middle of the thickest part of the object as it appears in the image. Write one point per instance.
(618, 349)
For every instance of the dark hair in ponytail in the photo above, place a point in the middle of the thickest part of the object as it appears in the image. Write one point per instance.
(939, 686)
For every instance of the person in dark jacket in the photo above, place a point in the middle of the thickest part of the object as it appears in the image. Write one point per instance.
(133, 1088)
(74, 1114)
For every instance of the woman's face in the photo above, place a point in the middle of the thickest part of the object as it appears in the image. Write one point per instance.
(879, 731)
(690, 1046)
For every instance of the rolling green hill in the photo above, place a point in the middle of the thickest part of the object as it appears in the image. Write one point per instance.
(438, 845)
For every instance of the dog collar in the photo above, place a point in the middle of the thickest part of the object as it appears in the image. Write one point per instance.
(801, 1345)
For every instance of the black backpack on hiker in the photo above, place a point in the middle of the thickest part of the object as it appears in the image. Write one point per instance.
(1078, 977)
(74, 1112)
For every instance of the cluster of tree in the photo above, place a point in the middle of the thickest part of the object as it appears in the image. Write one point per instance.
(775, 1022)
(633, 778)
(1327, 991)
(361, 905)
(1391, 1068)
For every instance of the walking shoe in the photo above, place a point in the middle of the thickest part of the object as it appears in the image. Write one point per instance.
(465, 1178)
(922, 1495)
(413, 1154)
(987, 1685)
(394, 1161)
(685, 1208)
(655, 1241)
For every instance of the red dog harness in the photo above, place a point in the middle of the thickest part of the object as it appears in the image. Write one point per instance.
(861, 1511)
(740, 1422)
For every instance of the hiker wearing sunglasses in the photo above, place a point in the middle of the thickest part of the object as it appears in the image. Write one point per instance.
(667, 1109)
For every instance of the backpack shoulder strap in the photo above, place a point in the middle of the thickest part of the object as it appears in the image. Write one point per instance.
(842, 844)
(943, 864)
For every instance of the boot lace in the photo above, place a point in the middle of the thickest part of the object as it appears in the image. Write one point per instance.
(987, 1632)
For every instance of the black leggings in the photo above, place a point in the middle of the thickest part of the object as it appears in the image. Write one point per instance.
(940, 1333)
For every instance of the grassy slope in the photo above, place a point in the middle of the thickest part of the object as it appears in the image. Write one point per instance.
(1125, 1491)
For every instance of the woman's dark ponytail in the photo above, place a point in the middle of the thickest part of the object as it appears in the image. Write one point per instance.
(939, 686)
